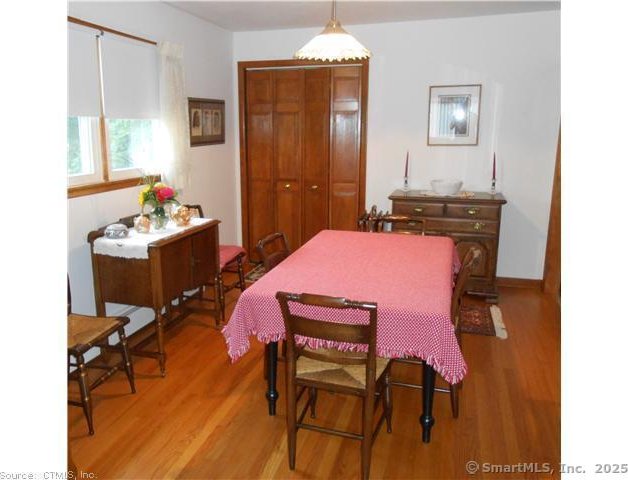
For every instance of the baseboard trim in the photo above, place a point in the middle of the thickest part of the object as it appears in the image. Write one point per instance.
(519, 282)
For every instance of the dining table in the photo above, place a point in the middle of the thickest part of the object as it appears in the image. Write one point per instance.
(411, 279)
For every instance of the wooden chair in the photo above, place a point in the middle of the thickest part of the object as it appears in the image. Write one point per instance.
(469, 262)
(273, 249)
(367, 222)
(84, 333)
(231, 260)
(400, 224)
(352, 373)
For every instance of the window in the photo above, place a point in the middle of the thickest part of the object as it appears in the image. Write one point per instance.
(111, 79)
(84, 165)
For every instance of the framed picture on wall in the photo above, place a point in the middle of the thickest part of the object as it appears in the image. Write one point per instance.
(454, 115)
(207, 121)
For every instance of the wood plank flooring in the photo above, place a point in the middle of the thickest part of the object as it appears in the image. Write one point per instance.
(208, 418)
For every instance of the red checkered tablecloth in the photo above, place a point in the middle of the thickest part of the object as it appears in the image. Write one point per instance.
(410, 277)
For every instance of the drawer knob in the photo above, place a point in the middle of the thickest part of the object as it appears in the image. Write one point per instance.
(412, 224)
(287, 186)
(478, 226)
(418, 209)
(314, 187)
(473, 211)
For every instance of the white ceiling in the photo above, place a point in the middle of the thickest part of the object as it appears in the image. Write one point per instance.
(238, 16)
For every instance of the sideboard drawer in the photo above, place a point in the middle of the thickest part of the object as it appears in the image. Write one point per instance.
(462, 226)
(419, 209)
(471, 221)
(485, 212)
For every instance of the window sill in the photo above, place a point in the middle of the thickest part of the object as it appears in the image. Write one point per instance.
(93, 188)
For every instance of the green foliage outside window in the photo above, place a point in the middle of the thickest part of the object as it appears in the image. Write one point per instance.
(130, 141)
(74, 147)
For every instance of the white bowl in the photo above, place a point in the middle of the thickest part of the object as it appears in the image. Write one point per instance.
(446, 186)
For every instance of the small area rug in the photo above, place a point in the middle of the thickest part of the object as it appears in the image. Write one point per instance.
(482, 320)
(476, 319)
(255, 274)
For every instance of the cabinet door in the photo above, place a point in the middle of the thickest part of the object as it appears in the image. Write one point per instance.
(316, 152)
(205, 259)
(287, 141)
(345, 148)
(171, 267)
(259, 150)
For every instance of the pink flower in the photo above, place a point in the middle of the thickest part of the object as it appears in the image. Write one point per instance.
(164, 193)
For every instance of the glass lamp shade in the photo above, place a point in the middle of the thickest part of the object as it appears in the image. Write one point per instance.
(333, 44)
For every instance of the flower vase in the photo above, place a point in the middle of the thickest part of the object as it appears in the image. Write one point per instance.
(158, 218)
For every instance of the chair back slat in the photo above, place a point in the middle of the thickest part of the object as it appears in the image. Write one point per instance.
(327, 330)
(273, 249)
(401, 224)
(338, 332)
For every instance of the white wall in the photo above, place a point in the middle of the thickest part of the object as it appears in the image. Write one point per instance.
(208, 60)
(516, 58)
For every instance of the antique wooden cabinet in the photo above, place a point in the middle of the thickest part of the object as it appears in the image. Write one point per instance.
(472, 222)
(302, 148)
(177, 263)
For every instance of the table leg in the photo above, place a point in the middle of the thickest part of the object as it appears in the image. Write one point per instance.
(427, 420)
(159, 326)
(271, 394)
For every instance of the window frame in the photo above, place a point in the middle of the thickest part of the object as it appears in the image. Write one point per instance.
(89, 139)
(107, 179)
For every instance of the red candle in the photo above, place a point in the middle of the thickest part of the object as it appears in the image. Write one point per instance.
(406, 173)
(493, 165)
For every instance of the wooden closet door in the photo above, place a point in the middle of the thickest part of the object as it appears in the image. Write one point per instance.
(259, 146)
(316, 152)
(345, 148)
(287, 141)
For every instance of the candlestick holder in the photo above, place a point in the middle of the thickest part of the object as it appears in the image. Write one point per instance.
(493, 192)
(406, 187)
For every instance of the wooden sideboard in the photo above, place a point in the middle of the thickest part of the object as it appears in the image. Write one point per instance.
(178, 263)
(472, 222)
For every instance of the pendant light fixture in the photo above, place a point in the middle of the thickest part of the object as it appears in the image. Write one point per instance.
(333, 44)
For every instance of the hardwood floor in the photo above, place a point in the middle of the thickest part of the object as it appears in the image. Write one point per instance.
(208, 418)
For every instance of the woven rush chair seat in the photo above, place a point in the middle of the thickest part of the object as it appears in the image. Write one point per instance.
(84, 330)
(352, 376)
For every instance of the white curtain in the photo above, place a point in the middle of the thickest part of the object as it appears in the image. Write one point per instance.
(174, 136)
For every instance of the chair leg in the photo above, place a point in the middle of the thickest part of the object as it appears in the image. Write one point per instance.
(291, 418)
(159, 328)
(217, 305)
(241, 281)
(388, 403)
(221, 292)
(367, 432)
(128, 365)
(313, 395)
(453, 397)
(86, 397)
